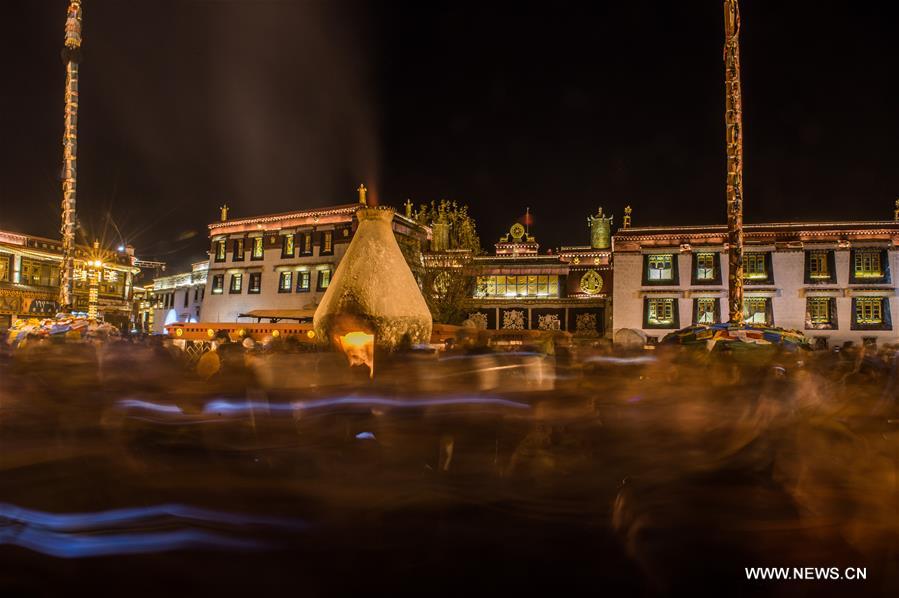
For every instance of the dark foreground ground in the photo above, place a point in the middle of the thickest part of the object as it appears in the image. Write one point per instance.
(120, 473)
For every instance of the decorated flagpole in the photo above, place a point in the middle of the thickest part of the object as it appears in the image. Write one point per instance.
(71, 55)
(733, 117)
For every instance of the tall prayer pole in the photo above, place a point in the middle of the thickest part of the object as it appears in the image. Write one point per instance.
(733, 118)
(71, 55)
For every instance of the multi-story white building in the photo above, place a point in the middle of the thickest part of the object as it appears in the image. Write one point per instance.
(832, 281)
(284, 262)
(176, 298)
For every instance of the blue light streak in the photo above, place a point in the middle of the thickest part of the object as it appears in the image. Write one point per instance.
(78, 535)
(148, 406)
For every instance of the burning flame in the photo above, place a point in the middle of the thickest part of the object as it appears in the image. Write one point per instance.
(359, 348)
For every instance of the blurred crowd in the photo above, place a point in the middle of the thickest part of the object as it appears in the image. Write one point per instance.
(692, 460)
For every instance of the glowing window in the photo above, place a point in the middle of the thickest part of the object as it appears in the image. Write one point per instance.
(258, 249)
(817, 265)
(218, 284)
(869, 310)
(303, 281)
(755, 265)
(238, 250)
(236, 283)
(867, 263)
(661, 311)
(659, 267)
(324, 279)
(327, 242)
(755, 310)
(284, 282)
(705, 266)
(255, 286)
(819, 310)
(517, 286)
(706, 311)
(5, 267)
(220, 251)
(287, 247)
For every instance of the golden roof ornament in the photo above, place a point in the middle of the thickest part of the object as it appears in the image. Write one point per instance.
(362, 199)
(896, 212)
(408, 205)
(224, 209)
(626, 221)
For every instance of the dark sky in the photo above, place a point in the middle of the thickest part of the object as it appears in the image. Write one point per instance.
(272, 105)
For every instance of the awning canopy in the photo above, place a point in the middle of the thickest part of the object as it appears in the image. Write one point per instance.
(279, 314)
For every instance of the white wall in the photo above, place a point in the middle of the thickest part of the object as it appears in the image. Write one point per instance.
(226, 306)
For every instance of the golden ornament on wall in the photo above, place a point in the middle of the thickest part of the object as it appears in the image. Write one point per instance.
(591, 282)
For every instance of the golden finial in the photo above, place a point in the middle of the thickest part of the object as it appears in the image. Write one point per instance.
(626, 221)
(362, 191)
(224, 208)
(408, 205)
(896, 212)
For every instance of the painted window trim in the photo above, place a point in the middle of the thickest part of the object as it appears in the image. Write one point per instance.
(668, 282)
(675, 314)
(831, 267)
(716, 265)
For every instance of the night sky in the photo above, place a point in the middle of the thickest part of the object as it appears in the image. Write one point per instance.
(274, 105)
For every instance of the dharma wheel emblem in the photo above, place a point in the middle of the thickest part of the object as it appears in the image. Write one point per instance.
(591, 282)
(517, 231)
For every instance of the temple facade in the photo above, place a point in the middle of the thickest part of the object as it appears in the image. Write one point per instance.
(518, 288)
(29, 279)
(833, 281)
(282, 264)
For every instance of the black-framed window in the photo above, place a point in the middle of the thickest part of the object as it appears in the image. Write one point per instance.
(660, 269)
(238, 253)
(758, 310)
(757, 268)
(820, 267)
(706, 268)
(287, 246)
(660, 312)
(820, 313)
(236, 286)
(285, 280)
(258, 248)
(871, 313)
(186, 297)
(255, 283)
(218, 284)
(869, 265)
(304, 240)
(706, 310)
(303, 279)
(326, 243)
(324, 279)
(220, 250)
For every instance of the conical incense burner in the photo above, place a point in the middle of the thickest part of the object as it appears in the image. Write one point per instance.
(373, 290)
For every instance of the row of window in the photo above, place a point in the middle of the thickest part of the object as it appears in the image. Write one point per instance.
(285, 282)
(167, 300)
(868, 313)
(518, 286)
(867, 265)
(289, 245)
